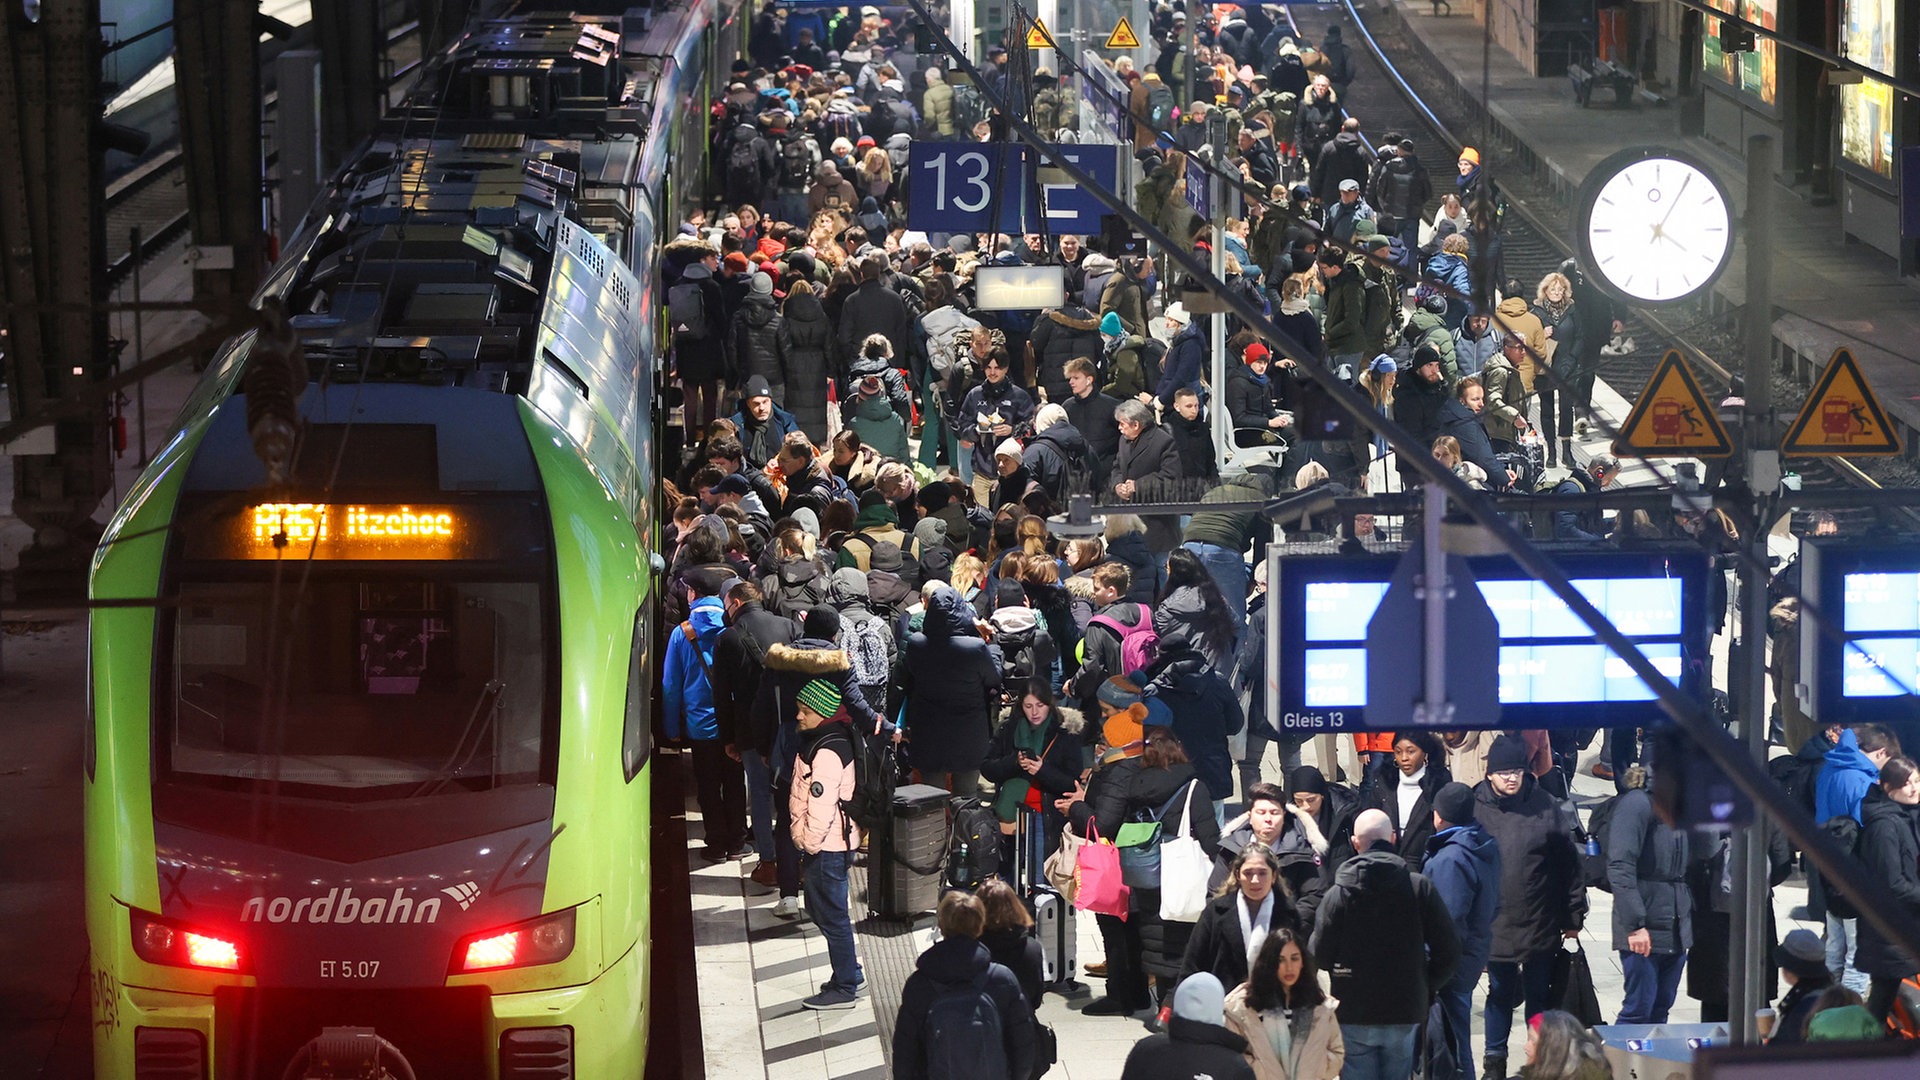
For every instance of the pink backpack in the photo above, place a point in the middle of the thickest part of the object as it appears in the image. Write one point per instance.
(1138, 643)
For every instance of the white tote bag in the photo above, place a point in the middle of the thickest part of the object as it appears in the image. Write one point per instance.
(1184, 869)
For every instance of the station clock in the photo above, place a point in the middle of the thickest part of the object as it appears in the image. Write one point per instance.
(1654, 225)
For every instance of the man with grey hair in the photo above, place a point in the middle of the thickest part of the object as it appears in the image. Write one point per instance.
(1057, 456)
(1385, 938)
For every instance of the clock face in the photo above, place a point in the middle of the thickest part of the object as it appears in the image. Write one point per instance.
(1656, 228)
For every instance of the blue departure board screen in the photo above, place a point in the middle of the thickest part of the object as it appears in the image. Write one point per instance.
(1552, 671)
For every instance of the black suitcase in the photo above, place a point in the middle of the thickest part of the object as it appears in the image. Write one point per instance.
(1052, 915)
(903, 874)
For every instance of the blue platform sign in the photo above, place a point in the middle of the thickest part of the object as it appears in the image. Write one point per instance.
(990, 187)
(1197, 190)
(1910, 192)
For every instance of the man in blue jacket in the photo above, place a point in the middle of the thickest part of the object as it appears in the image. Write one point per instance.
(719, 780)
(1463, 862)
(1852, 768)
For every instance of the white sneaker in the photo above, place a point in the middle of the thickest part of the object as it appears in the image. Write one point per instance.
(1579, 427)
(787, 908)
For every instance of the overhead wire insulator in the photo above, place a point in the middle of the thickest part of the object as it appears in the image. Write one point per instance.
(276, 376)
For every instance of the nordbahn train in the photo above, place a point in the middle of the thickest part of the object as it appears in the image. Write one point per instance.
(367, 756)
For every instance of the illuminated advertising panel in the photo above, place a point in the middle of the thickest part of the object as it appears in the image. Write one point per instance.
(1552, 672)
(1755, 72)
(1866, 108)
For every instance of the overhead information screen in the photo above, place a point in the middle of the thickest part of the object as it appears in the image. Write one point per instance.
(1552, 670)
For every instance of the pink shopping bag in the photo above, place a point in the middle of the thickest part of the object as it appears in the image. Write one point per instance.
(1097, 869)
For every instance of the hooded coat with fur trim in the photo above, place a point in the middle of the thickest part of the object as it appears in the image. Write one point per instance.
(790, 667)
(1058, 336)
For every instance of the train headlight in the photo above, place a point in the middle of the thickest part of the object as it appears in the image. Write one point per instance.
(545, 940)
(160, 941)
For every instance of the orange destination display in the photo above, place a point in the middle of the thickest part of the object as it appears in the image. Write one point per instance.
(350, 531)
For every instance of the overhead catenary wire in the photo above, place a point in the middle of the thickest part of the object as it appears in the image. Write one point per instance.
(1873, 897)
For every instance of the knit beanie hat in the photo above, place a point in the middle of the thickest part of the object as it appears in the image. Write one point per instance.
(1454, 803)
(1201, 998)
(821, 623)
(1110, 324)
(1506, 754)
(1119, 692)
(1126, 730)
(1308, 779)
(821, 696)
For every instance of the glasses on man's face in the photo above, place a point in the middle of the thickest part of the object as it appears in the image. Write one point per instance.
(1508, 776)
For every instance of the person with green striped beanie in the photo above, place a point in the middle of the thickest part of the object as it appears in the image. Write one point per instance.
(823, 780)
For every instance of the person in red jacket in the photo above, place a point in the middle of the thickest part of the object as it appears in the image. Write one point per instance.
(823, 779)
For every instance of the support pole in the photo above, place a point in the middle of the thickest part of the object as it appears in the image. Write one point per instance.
(1217, 402)
(1433, 711)
(1748, 956)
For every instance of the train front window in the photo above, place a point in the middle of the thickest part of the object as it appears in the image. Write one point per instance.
(368, 687)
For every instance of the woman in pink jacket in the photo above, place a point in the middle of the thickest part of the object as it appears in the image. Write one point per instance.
(823, 780)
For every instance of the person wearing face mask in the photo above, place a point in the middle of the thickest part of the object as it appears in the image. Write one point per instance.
(1034, 759)
(1251, 904)
(1543, 897)
(1406, 794)
(1291, 1030)
(1890, 848)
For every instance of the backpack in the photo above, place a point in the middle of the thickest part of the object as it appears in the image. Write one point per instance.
(1159, 108)
(1340, 59)
(1020, 654)
(1138, 643)
(865, 643)
(964, 1037)
(969, 108)
(687, 311)
(875, 773)
(975, 852)
(1846, 832)
(841, 125)
(743, 166)
(796, 162)
(1594, 851)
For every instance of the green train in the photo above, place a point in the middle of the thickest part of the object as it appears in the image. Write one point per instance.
(367, 778)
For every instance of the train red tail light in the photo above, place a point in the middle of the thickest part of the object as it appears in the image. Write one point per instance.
(545, 940)
(161, 941)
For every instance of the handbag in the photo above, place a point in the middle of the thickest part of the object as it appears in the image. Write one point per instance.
(1060, 866)
(1097, 872)
(1184, 869)
(1046, 1049)
(1570, 989)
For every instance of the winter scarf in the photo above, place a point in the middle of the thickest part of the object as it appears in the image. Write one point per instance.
(1031, 738)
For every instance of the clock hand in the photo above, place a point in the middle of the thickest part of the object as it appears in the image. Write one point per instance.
(1684, 181)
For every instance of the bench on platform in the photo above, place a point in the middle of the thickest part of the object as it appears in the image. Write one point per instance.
(1602, 73)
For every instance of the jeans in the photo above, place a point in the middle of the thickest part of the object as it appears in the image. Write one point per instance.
(785, 853)
(1843, 942)
(1511, 983)
(759, 800)
(1652, 982)
(826, 884)
(1229, 571)
(1456, 1004)
(1378, 1051)
(790, 207)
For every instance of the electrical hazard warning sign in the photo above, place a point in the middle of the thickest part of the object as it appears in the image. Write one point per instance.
(1672, 417)
(1841, 417)
(1039, 37)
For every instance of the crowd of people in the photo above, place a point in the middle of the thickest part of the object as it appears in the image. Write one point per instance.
(862, 549)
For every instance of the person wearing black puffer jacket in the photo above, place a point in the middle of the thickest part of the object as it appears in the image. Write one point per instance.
(1139, 773)
(956, 960)
(1059, 335)
(1407, 797)
(1890, 848)
(1652, 906)
(1196, 1043)
(1055, 445)
(808, 347)
(760, 340)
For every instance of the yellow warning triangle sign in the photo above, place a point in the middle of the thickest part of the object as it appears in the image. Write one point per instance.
(1123, 36)
(1672, 417)
(1039, 37)
(1841, 417)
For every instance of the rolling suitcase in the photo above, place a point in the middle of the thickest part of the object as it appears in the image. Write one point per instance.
(1052, 915)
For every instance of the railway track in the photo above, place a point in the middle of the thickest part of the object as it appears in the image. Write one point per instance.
(1396, 92)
